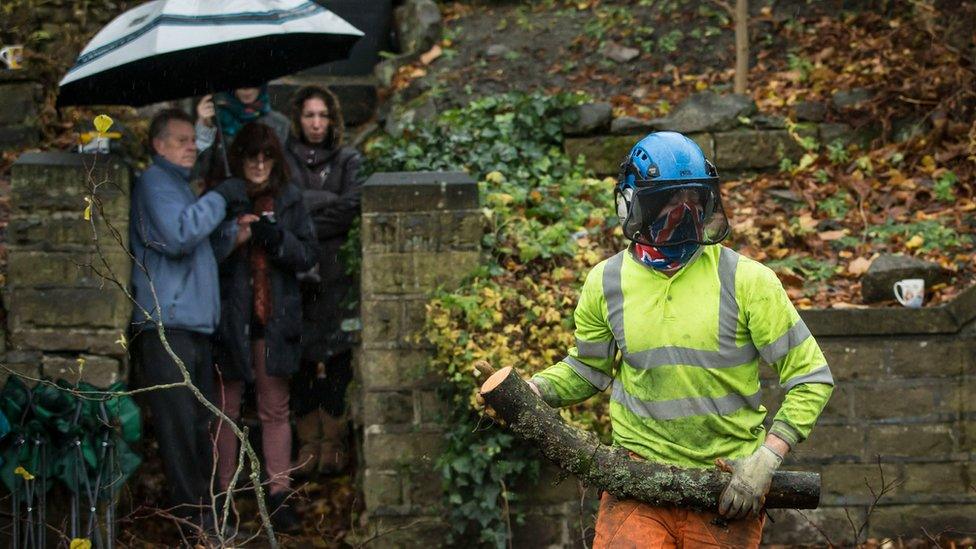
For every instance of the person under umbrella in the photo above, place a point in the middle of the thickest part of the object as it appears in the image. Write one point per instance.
(233, 110)
(259, 337)
(329, 176)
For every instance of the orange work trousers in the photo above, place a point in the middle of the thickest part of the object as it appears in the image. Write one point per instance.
(627, 523)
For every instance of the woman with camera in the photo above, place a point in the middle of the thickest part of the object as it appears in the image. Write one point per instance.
(260, 250)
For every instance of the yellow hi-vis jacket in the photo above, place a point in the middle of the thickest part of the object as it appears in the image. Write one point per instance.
(687, 388)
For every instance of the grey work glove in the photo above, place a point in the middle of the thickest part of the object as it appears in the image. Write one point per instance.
(751, 476)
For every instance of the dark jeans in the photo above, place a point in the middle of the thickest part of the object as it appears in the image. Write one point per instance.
(181, 422)
(309, 391)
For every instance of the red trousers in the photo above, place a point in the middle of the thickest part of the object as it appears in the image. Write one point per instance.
(626, 523)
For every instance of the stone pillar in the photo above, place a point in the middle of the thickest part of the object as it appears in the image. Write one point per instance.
(419, 231)
(59, 309)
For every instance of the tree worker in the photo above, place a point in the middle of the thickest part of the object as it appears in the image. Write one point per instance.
(690, 318)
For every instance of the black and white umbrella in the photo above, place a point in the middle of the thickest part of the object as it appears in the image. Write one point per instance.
(169, 49)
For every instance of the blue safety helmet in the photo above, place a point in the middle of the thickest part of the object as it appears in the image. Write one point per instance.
(668, 197)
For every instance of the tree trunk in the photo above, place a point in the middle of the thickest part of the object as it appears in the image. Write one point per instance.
(741, 20)
(613, 469)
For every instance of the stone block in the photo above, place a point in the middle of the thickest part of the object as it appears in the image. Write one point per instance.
(418, 232)
(928, 357)
(64, 269)
(433, 407)
(851, 359)
(912, 398)
(382, 488)
(99, 342)
(588, 118)
(847, 482)
(936, 479)
(407, 448)
(603, 152)
(65, 308)
(63, 231)
(884, 358)
(899, 441)
(841, 405)
(968, 438)
(18, 103)
(754, 149)
(814, 527)
(419, 191)
(396, 369)
(388, 407)
(97, 370)
(25, 365)
(447, 269)
(382, 320)
(461, 230)
(388, 273)
(887, 269)
(59, 182)
(425, 489)
(908, 521)
(833, 442)
(379, 233)
(885, 322)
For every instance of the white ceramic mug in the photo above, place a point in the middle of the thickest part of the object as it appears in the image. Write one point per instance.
(12, 56)
(910, 292)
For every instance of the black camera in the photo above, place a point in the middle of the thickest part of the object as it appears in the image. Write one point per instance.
(268, 217)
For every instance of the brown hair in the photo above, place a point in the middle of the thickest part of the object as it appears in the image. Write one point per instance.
(253, 139)
(160, 123)
(333, 136)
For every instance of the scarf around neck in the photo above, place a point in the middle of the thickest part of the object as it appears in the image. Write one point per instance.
(234, 115)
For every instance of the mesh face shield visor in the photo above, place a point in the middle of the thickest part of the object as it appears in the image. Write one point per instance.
(666, 214)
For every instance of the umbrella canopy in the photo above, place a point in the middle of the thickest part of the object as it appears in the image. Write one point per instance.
(169, 49)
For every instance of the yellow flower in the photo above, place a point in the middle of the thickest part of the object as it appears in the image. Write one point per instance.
(88, 209)
(80, 543)
(102, 123)
(24, 473)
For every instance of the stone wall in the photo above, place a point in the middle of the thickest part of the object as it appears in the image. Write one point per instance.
(419, 231)
(904, 399)
(738, 150)
(905, 380)
(59, 309)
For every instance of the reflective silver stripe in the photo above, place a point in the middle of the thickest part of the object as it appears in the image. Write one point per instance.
(819, 375)
(728, 354)
(775, 351)
(596, 349)
(728, 307)
(614, 295)
(596, 378)
(684, 407)
(664, 356)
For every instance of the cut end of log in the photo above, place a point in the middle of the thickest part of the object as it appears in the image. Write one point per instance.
(495, 380)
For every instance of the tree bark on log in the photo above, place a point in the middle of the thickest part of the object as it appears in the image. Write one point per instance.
(613, 470)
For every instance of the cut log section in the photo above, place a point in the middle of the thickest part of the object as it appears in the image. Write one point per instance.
(613, 470)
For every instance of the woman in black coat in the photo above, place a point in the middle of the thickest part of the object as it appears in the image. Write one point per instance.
(259, 336)
(328, 175)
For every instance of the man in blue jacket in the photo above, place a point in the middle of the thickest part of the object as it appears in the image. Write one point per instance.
(174, 283)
